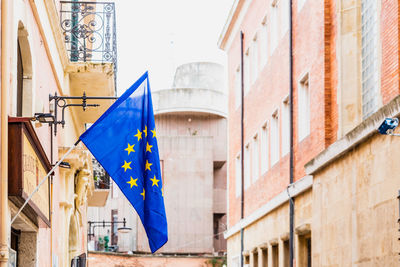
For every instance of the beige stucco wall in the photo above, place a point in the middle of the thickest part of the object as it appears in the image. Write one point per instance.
(33, 23)
(355, 209)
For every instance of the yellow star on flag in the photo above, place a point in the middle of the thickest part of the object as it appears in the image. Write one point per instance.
(148, 147)
(154, 132)
(138, 135)
(143, 193)
(127, 165)
(155, 181)
(148, 164)
(145, 131)
(130, 148)
(132, 182)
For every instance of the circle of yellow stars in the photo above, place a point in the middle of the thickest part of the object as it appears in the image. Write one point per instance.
(127, 165)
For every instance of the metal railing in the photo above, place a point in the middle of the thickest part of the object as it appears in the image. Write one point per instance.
(101, 177)
(89, 30)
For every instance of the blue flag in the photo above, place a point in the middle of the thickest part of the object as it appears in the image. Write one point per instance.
(124, 141)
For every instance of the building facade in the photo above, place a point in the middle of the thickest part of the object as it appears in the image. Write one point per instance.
(345, 81)
(44, 54)
(191, 132)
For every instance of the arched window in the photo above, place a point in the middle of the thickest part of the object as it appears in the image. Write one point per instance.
(24, 94)
(20, 75)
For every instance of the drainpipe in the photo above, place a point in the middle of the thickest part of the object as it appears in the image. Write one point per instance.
(291, 168)
(241, 146)
(6, 37)
(51, 195)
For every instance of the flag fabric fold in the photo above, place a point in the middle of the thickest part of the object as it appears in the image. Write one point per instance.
(124, 142)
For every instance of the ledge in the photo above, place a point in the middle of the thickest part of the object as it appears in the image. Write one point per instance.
(359, 134)
(295, 189)
(183, 100)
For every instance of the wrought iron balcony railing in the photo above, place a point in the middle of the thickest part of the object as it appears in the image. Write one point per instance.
(101, 177)
(89, 31)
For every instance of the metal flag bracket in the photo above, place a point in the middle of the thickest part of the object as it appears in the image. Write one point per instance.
(61, 102)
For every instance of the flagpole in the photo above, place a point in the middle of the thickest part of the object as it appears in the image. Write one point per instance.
(44, 179)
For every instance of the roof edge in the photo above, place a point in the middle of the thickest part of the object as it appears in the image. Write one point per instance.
(233, 14)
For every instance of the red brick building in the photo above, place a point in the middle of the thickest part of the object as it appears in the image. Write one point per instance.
(345, 81)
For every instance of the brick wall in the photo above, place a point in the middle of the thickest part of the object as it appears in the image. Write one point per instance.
(269, 90)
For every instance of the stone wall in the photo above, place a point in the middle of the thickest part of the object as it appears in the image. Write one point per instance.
(355, 209)
(272, 230)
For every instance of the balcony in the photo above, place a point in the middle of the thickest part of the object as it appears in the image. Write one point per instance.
(89, 31)
(101, 185)
(89, 35)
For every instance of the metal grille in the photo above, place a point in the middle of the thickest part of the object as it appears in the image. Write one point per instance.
(369, 57)
(89, 30)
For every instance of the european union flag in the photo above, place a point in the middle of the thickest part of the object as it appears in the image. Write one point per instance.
(124, 141)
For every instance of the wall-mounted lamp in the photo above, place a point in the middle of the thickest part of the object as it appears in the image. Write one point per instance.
(44, 117)
(124, 230)
(65, 165)
(121, 230)
(388, 125)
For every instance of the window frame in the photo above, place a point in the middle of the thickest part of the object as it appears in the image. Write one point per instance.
(275, 138)
(265, 148)
(304, 115)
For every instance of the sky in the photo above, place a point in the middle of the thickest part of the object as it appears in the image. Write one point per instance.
(160, 35)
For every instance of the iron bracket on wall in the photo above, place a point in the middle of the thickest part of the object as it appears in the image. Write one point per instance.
(61, 102)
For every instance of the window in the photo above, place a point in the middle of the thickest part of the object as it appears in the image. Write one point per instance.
(300, 4)
(275, 255)
(217, 224)
(255, 258)
(286, 252)
(264, 256)
(24, 105)
(304, 108)
(246, 260)
(238, 175)
(238, 87)
(263, 44)
(274, 26)
(20, 74)
(274, 138)
(115, 190)
(255, 157)
(369, 32)
(285, 125)
(264, 148)
(246, 73)
(305, 250)
(254, 60)
(114, 227)
(247, 166)
(283, 7)
(308, 249)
